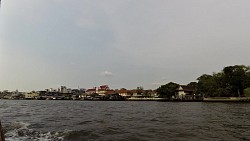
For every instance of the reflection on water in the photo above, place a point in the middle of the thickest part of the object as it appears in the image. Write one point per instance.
(124, 120)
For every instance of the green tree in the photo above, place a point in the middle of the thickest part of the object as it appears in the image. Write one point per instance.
(139, 90)
(230, 82)
(193, 85)
(167, 90)
(247, 92)
(220, 86)
(237, 78)
(206, 85)
(246, 82)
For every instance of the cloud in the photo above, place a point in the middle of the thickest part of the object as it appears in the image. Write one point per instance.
(106, 74)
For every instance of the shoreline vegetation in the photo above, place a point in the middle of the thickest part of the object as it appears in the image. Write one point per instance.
(232, 84)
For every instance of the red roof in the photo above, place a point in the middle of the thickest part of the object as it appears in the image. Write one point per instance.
(105, 87)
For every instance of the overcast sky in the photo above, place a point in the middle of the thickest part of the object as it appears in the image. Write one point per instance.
(122, 43)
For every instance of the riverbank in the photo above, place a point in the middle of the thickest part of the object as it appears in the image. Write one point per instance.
(209, 99)
(145, 99)
(227, 99)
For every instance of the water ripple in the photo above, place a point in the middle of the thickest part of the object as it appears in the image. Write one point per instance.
(110, 120)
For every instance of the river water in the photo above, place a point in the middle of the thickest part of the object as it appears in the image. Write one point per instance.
(32, 120)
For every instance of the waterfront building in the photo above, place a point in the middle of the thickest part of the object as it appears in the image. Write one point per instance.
(63, 89)
(184, 92)
(109, 92)
(123, 92)
(102, 90)
(31, 95)
(90, 91)
(134, 93)
(104, 87)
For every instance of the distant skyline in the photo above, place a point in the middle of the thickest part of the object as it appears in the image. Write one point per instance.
(121, 43)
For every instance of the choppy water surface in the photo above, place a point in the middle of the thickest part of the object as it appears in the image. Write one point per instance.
(123, 120)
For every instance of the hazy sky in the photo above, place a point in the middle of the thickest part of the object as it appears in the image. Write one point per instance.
(122, 43)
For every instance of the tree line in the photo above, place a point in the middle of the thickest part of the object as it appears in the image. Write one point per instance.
(232, 81)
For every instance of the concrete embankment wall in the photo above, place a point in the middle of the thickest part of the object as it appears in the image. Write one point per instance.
(227, 99)
(145, 99)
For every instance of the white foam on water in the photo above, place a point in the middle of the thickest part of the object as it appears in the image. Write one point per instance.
(19, 131)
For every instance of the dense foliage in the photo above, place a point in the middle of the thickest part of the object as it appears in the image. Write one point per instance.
(167, 90)
(232, 81)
